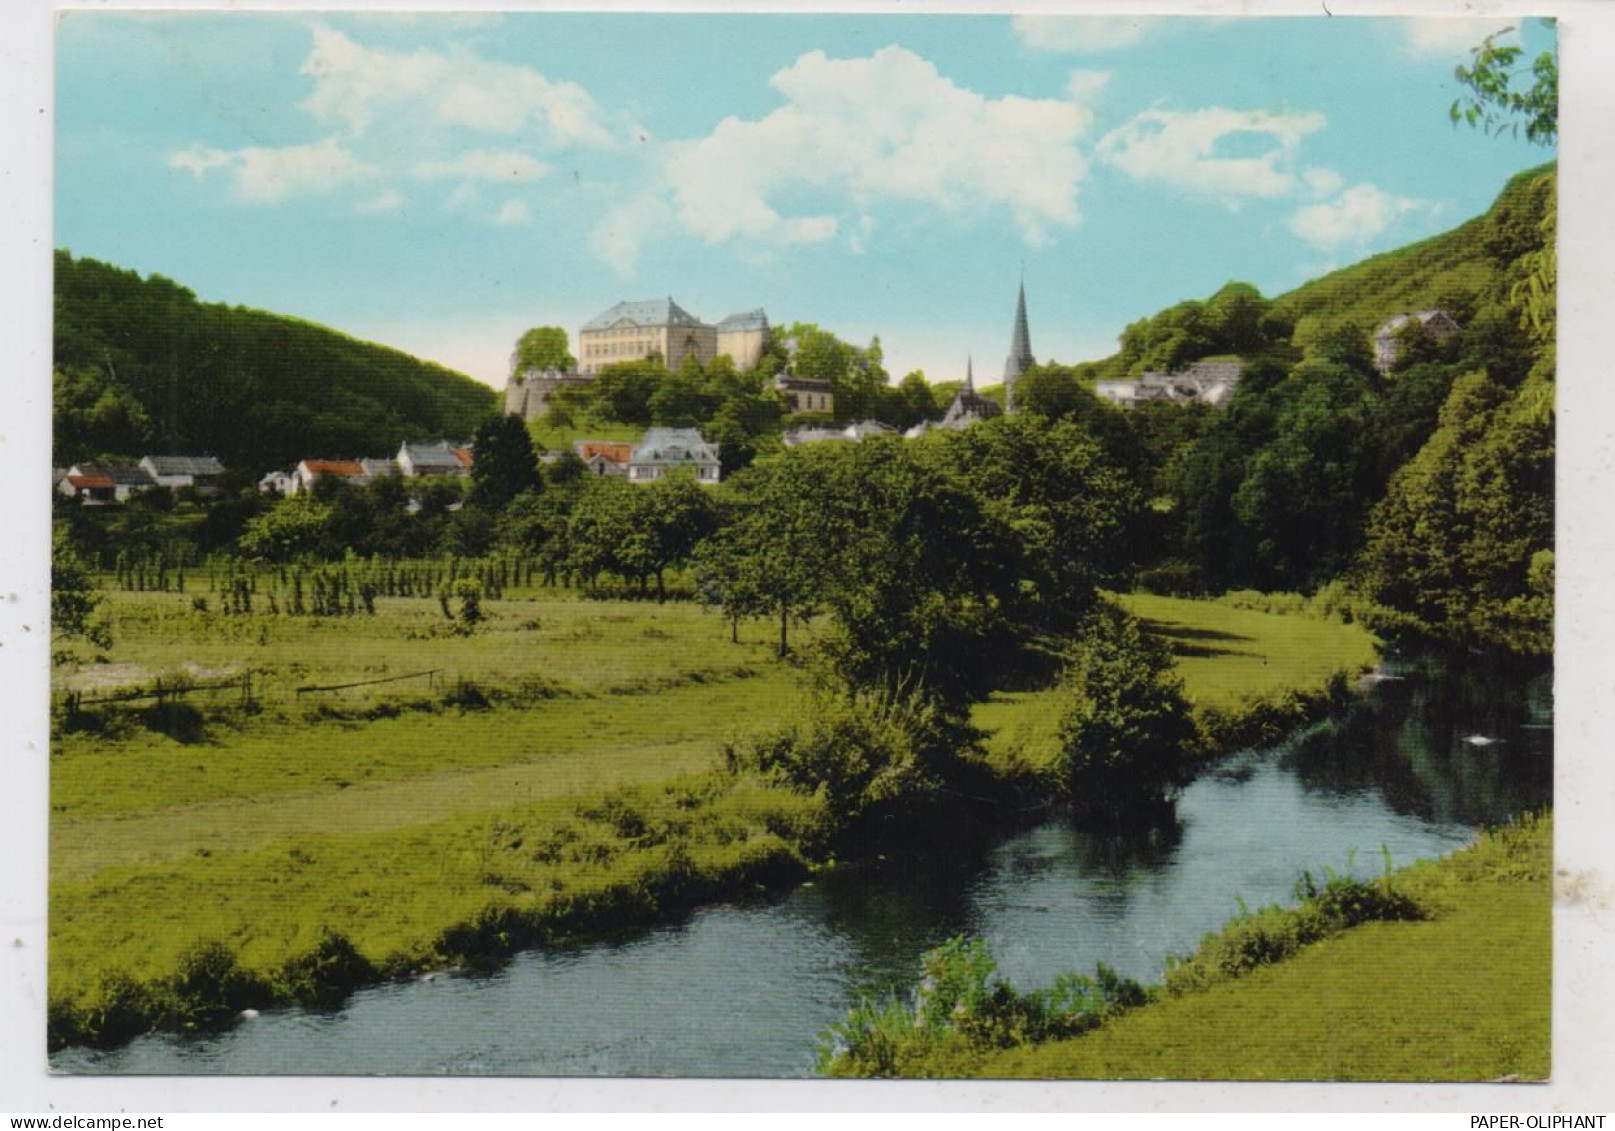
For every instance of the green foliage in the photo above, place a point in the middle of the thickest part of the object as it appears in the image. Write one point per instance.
(1495, 104)
(1127, 734)
(544, 347)
(75, 603)
(961, 1008)
(873, 757)
(504, 463)
(141, 363)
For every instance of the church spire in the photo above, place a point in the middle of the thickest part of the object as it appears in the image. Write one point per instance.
(1020, 349)
(970, 375)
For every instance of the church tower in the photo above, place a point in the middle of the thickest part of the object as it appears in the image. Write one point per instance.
(1020, 351)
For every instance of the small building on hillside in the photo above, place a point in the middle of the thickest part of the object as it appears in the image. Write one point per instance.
(604, 457)
(201, 473)
(665, 452)
(855, 432)
(528, 392)
(1200, 382)
(805, 394)
(377, 468)
(278, 483)
(310, 470)
(101, 483)
(1388, 338)
(441, 458)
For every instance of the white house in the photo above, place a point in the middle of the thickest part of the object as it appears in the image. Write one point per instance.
(665, 452)
(199, 472)
(96, 484)
(1388, 338)
(441, 458)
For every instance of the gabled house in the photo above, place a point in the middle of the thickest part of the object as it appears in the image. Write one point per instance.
(97, 484)
(309, 470)
(202, 473)
(805, 394)
(969, 406)
(665, 452)
(278, 483)
(441, 458)
(1388, 338)
(604, 457)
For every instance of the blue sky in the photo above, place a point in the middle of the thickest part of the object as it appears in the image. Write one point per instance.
(441, 182)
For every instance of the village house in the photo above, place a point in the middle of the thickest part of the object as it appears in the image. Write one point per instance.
(855, 432)
(665, 452)
(1200, 382)
(100, 484)
(200, 473)
(1388, 338)
(604, 457)
(309, 470)
(441, 458)
(278, 483)
(805, 394)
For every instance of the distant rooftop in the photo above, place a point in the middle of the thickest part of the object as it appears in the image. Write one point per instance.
(654, 312)
(746, 320)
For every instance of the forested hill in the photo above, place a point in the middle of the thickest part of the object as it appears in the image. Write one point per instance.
(1456, 269)
(142, 367)
(1459, 271)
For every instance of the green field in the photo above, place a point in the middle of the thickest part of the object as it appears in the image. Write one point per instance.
(562, 765)
(1462, 995)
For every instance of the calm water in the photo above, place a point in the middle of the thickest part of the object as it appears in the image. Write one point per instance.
(743, 990)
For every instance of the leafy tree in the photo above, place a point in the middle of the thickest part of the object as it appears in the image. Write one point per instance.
(503, 462)
(1127, 733)
(1496, 104)
(294, 526)
(544, 347)
(75, 603)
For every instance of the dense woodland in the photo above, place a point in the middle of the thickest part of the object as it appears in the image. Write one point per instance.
(142, 367)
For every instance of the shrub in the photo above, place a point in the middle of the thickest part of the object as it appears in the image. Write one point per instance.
(1127, 734)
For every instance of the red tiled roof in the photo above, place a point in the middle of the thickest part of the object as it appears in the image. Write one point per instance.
(91, 482)
(463, 455)
(333, 467)
(616, 453)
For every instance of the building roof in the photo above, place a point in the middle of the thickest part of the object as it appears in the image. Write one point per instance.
(863, 428)
(91, 482)
(1215, 370)
(655, 312)
(333, 467)
(1426, 317)
(375, 467)
(185, 465)
(440, 455)
(746, 320)
(789, 381)
(673, 446)
(122, 475)
(611, 450)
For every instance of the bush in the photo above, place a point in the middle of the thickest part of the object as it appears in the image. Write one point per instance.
(961, 1007)
(870, 754)
(1127, 734)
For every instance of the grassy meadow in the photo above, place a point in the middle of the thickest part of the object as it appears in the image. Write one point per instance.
(561, 770)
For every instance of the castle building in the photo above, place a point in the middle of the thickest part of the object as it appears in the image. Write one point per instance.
(630, 331)
(1438, 324)
(1020, 357)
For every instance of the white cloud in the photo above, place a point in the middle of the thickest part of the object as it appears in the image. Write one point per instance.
(1083, 34)
(1435, 35)
(1082, 87)
(483, 165)
(513, 212)
(1187, 150)
(888, 127)
(388, 200)
(464, 195)
(858, 240)
(269, 176)
(1354, 217)
(355, 84)
(1322, 182)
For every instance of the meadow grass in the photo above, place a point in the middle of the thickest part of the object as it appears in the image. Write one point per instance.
(1464, 994)
(1234, 662)
(392, 816)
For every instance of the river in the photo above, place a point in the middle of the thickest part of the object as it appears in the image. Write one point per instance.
(1412, 769)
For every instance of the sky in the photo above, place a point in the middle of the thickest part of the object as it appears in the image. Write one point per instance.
(441, 182)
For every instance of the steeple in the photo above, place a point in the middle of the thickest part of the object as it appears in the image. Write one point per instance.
(970, 375)
(1020, 350)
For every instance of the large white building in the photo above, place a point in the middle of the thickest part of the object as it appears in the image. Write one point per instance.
(630, 331)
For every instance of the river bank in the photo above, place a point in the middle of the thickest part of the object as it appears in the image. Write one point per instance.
(1458, 989)
(187, 941)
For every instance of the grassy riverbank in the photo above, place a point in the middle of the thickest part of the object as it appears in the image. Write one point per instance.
(558, 775)
(1458, 991)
